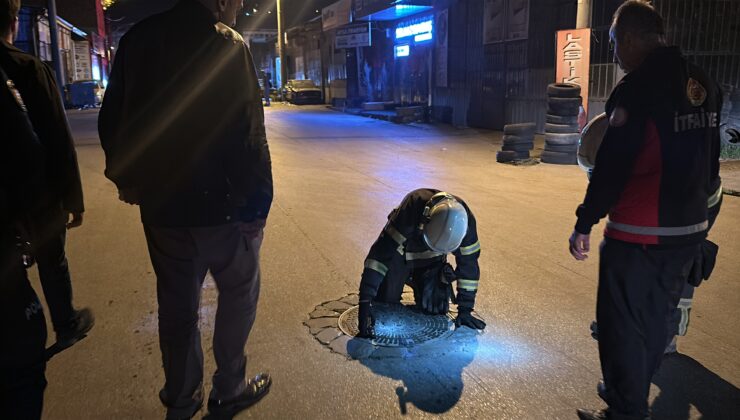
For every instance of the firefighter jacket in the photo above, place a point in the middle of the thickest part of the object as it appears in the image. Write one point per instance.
(658, 165)
(401, 246)
(39, 96)
(182, 121)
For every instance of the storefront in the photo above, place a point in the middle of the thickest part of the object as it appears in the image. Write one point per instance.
(34, 37)
(412, 54)
(397, 67)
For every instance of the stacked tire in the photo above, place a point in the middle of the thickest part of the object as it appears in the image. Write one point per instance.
(562, 130)
(733, 118)
(518, 141)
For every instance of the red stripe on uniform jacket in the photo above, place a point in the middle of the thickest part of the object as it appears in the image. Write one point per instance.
(640, 201)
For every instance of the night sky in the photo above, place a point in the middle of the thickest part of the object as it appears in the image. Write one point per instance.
(125, 13)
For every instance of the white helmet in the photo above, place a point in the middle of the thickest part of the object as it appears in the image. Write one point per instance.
(590, 142)
(447, 223)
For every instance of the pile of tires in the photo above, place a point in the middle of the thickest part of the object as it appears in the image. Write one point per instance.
(518, 141)
(732, 130)
(733, 119)
(562, 131)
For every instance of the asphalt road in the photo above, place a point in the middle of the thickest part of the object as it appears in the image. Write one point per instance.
(336, 178)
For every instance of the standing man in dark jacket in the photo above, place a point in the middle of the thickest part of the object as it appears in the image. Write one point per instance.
(183, 130)
(655, 172)
(59, 206)
(23, 325)
(412, 249)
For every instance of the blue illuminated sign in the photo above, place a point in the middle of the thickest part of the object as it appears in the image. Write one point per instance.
(421, 31)
(402, 50)
(423, 37)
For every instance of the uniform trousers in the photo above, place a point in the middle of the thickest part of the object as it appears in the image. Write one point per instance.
(23, 328)
(639, 287)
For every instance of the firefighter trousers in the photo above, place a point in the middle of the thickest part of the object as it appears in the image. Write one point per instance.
(639, 287)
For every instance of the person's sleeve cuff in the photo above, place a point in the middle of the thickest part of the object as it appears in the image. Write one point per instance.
(583, 227)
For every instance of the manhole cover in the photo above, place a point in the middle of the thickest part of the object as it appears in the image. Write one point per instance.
(399, 325)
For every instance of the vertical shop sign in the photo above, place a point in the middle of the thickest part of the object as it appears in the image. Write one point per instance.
(442, 49)
(574, 59)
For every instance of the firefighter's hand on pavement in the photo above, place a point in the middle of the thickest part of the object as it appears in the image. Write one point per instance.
(465, 318)
(129, 196)
(366, 321)
(579, 246)
(252, 229)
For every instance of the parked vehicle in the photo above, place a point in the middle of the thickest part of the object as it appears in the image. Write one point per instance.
(85, 93)
(302, 91)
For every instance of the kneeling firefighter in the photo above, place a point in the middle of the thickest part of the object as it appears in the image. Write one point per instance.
(412, 249)
(678, 321)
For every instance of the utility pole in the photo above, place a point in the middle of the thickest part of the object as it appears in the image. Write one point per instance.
(583, 18)
(281, 46)
(54, 34)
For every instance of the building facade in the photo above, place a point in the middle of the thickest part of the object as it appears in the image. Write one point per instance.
(487, 63)
(82, 37)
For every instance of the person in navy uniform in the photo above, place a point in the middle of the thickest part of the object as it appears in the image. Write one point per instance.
(412, 249)
(654, 174)
(59, 205)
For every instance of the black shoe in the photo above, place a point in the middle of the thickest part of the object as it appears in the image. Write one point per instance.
(257, 388)
(585, 414)
(601, 390)
(82, 322)
(594, 330)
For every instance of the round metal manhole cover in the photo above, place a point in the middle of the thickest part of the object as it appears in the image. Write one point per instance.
(399, 325)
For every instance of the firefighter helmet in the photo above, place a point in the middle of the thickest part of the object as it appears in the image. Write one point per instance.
(591, 138)
(446, 223)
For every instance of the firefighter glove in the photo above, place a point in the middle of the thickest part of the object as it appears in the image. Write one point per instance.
(366, 321)
(465, 318)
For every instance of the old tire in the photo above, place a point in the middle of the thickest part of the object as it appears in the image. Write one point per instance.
(564, 106)
(511, 139)
(562, 139)
(521, 155)
(563, 90)
(503, 156)
(519, 147)
(522, 129)
(557, 119)
(558, 158)
(562, 128)
(562, 148)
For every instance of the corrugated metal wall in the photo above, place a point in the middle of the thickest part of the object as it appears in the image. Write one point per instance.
(451, 104)
(495, 84)
(708, 32)
(491, 85)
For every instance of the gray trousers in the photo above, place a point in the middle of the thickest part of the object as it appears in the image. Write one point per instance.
(181, 258)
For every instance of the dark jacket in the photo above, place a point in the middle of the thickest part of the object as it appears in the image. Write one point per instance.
(38, 89)
(401, 243)
(659, 161)
(182, 122)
